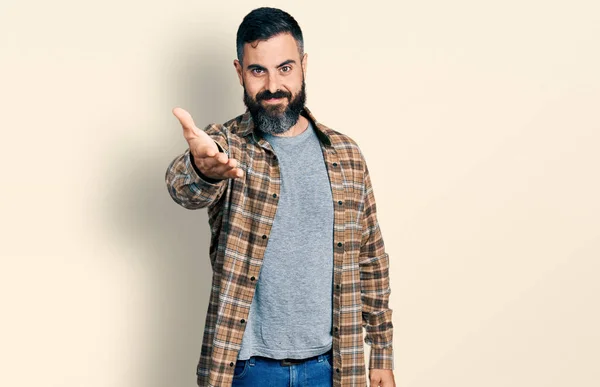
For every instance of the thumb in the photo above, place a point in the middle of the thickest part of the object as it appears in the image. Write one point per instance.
(187, 123)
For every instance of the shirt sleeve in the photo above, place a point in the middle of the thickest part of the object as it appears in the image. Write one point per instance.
(186, 185)
(375, 287)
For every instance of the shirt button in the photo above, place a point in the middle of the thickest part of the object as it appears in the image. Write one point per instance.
(339, 244)
(337, 370)
(335, 329)
(335, 164)
(252, 278)
(274, 195)
(340, 202)
(242, 321)
(337, 286)
(264, 237)
(231, 364)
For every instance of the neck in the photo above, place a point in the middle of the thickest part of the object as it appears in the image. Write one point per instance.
(295, 130)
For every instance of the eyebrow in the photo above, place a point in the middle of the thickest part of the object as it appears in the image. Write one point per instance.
(257, 66)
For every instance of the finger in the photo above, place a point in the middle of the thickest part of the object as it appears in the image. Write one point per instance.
(224, 168)
(236, 170)
(375, 382)
(222, 157)
(207, 152)
(186, 121)
(234, 173)
(388, 383)
(233, 163)
(218, 160)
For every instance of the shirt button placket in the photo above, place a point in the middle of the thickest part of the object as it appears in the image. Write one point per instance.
(339, 243)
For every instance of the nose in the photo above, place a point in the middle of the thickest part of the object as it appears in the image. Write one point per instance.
(273, 83)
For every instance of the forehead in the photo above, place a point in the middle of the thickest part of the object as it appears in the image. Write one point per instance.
(271, 52)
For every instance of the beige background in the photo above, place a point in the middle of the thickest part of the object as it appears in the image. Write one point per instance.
(480, 123)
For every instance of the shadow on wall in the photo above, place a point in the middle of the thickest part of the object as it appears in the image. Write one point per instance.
(170, 244)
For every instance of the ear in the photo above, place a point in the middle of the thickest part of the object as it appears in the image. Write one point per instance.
(304, 63)
(239, 70)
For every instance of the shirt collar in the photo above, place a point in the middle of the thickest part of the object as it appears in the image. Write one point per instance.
(246, 127)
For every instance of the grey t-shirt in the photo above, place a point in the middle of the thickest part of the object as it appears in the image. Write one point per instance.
(291, 312)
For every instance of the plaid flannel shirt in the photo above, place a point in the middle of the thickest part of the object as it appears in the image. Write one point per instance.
(241, 212)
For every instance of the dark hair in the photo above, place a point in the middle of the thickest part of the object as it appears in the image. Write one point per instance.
(264, 23)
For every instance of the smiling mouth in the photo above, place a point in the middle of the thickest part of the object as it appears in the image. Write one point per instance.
(273, 99)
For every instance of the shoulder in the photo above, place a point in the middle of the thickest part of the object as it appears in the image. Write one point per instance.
(228, 135)
(236, 124)
(233, 126)
(345, 146)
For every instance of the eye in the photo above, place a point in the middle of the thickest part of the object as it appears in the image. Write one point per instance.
(257, 71)
(286, 69)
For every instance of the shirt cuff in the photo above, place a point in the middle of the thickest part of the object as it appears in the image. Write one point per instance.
(382, 358)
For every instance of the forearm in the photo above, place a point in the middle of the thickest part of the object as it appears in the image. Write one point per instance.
(187, 188)
(377, 316)
(375, 284)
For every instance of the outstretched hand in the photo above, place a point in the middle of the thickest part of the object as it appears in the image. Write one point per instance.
(208, 159)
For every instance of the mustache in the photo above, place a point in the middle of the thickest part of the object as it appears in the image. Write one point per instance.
(266, 94)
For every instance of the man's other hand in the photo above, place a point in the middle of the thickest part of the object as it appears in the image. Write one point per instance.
(381, 378)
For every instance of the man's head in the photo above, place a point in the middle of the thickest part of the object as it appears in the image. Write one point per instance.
(271, 66)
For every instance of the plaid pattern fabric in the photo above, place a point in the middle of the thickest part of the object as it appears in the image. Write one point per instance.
(241, 212)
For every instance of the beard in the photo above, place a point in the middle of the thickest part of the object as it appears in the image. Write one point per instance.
(271, 119)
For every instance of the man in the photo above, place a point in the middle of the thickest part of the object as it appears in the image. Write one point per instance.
(299, 265)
